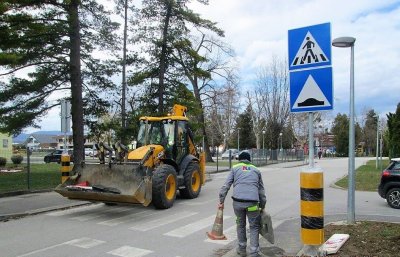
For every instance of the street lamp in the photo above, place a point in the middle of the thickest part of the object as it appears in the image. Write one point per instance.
(377, 140)
(280, 148)
(263, 142)
(238, 139)
(349, 42)
(224, 141)
(263, 138)
(263, 132)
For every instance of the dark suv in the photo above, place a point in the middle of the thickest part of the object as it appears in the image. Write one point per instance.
(56, 156)
(389, 187)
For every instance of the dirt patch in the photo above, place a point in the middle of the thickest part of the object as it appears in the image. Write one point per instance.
(367, 239)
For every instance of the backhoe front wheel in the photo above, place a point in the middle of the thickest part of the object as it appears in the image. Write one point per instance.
(192, 181)
(164, 186)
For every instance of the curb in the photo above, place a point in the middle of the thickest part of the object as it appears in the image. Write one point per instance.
(4, 218)
(25, 192)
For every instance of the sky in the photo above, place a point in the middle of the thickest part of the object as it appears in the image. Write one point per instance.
(258, 31)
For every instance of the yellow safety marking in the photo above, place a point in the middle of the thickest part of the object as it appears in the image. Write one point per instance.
(312, 236)
(311, 180)
(312, 208)
(65, 168)
(65, 158)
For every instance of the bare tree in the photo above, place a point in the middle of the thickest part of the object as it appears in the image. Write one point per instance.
(271, 99)
(204, 60)
(222, 110)
(256, 102)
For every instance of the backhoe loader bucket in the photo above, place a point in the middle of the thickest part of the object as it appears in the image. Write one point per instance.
(126, 183)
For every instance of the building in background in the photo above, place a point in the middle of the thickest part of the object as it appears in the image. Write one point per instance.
(5, 146)
(41, 141)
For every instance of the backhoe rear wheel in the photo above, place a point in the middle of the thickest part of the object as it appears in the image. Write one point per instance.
(164, 186)
(192, 181)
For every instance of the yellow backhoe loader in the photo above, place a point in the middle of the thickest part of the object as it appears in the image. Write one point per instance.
(165, 161)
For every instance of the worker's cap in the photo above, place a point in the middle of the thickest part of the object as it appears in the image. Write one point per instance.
(244, 156)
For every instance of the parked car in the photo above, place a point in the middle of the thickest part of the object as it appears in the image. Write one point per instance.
(225, 155)
(90, 152)
(389, 188)
(56, 156)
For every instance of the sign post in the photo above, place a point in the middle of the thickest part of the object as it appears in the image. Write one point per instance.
(65, 120)
(311, 90)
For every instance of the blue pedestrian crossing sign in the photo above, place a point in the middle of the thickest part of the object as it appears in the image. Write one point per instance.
(310, 47)
(310, 70)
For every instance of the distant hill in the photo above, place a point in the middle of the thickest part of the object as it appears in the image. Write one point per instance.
(44, 132)
(23, 136)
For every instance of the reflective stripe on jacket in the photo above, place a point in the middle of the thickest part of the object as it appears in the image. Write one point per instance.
(247, 184)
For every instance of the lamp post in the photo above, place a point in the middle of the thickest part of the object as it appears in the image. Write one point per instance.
(349, 42)
(263, 132)
(377, 140)
(280, 147)
(238, 139)
(224, 141)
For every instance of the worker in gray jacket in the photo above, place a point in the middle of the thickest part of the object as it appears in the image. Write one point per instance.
(248, 199)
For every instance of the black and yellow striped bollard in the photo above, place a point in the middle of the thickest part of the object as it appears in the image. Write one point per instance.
(65, 166)
(312, 207)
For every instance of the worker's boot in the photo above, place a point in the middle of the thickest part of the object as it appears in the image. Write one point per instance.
(241, 252)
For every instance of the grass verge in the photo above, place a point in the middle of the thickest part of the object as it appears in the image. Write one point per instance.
(367, 177)
(367, 238)
(42, 176)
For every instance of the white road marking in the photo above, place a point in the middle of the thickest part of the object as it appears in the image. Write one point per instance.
(126, 218)
(219, 175)
(85, 242)
(81, 242)
(230, 234)
(73, 210)
(98, 214)
(194, 203)
(40, 250)
(193, 227)
(128, 251)
(151, 224)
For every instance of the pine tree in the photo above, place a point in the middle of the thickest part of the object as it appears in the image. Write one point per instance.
(162, 26)
(46, 53)
(393, 124)
(340, 129)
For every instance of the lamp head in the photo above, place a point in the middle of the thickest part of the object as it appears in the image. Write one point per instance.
(343, 41)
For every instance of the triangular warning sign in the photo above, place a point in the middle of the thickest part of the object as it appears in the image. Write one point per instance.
(309, 52)
(310, 96)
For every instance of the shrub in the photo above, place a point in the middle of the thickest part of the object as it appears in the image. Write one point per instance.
(17, 159)
(3, 161)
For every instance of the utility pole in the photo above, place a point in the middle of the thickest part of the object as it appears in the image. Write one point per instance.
(377, 140)
(123, 100)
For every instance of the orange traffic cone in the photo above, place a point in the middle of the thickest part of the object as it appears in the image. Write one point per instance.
(218, 227)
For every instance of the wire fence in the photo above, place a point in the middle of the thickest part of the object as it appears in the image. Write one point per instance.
(259, 157)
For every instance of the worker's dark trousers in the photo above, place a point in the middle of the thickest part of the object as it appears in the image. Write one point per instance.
(241, 211)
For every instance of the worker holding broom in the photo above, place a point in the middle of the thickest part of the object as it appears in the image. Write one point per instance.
(248, 199)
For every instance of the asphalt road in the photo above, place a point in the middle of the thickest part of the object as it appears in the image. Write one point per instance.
(134, 231)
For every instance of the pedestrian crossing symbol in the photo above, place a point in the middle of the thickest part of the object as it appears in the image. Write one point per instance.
(311, 90)
(309, 52)
(310, 47)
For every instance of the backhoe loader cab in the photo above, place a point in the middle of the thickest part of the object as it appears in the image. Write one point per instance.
(164, 162)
